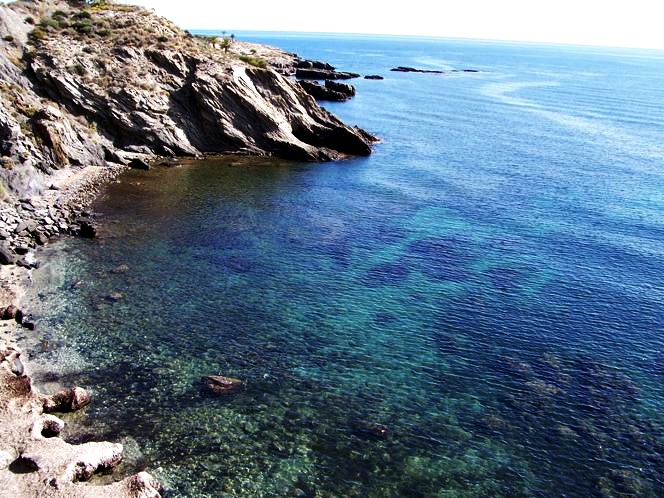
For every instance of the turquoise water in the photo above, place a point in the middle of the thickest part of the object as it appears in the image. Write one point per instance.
(487, 285)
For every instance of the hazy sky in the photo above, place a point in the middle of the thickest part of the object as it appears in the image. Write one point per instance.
(623, 23)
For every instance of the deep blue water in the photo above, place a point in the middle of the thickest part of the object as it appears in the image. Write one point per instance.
(487, 285)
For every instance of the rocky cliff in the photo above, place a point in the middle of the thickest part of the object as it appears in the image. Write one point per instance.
(92, 85)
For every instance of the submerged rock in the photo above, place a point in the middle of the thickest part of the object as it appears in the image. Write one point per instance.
(373, 77)
(372, 429)
(114, 297)
(219, 384)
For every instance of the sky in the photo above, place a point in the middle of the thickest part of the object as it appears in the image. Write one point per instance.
(624, 23)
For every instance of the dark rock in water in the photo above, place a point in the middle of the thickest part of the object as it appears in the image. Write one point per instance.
(405, 69)
(22, 250)
(470, 71)
(319, 92)
(7, 256)
(307, 64)
(219, 384)
(371, 429)
(138, 163)
(29, 325)
(87, 230)
(333, 91)
(324, 74)
(343, 88)
(67, 400)
(373, 77)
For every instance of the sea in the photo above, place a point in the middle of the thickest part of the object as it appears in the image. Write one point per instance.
(474, 310)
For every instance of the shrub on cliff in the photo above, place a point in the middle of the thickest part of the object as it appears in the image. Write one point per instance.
(254, 61)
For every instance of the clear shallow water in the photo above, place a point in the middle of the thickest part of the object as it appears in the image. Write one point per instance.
(487, 285)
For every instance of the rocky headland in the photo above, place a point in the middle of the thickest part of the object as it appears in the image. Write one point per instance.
(90, 88)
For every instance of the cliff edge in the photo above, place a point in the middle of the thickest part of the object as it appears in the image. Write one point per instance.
(89, 85)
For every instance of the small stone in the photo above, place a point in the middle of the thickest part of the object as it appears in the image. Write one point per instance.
(114, 297)
(29, 325)
(121, 269)
(22, 250)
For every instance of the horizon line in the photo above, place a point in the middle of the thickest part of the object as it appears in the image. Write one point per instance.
(436, 37)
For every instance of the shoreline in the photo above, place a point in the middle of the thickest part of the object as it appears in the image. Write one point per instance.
(70, 125)
(33, 460)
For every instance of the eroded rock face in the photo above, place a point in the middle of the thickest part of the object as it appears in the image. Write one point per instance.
(133, 86)
(163, 101)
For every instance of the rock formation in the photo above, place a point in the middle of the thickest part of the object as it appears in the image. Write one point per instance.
(34, 461)
(331, 90)
(406, 69)
(108, 84)
(86, 88)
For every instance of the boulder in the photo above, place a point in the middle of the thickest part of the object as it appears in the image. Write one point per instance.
(219, 384)
(67, 400)
(373, 77)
